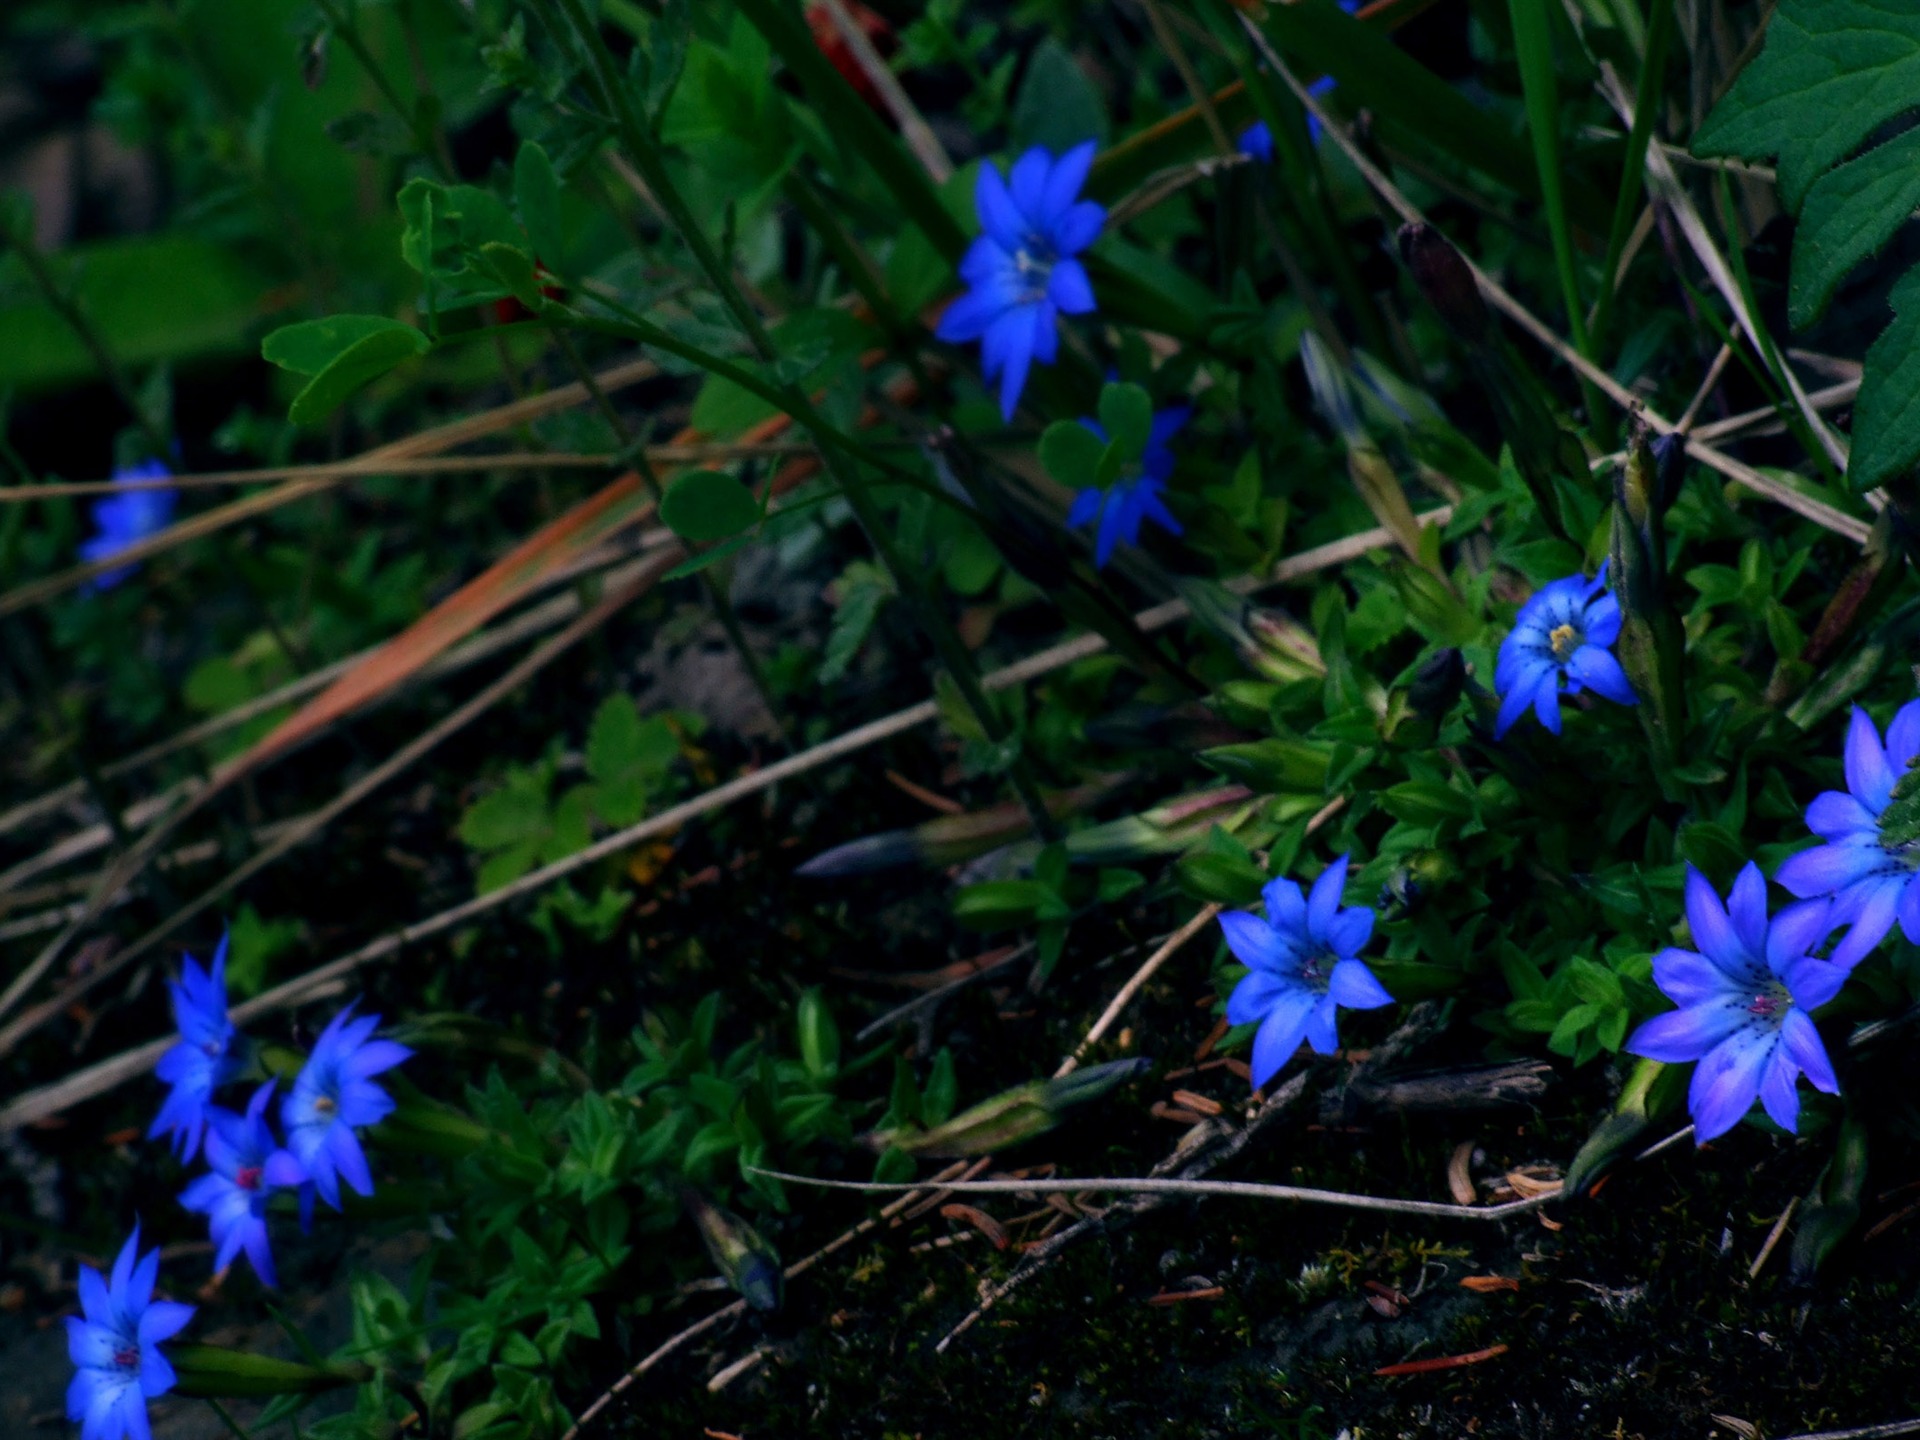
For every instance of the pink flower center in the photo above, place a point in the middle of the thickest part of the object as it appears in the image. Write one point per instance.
(248, 1178)
(1764, 1005)
(127, 1357)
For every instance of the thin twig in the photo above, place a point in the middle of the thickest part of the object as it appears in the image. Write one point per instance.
(1235, 1189)
(308, 826)
(934, 997)
(1159, 957)
(1136, 982)
(433, 441)
(739, 1307)
(921, 140)
(109, 1074)
(1865, 1432)
(668, 454)
(1818, 511)
(1773, 1239)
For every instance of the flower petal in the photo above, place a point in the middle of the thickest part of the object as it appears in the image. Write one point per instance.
(1078, 228)
(1871, 922)
(1778, 1091)
(1277, 1039)
(1687, 1034)
(1517, 701)
(1355, 986)
(1349, 933)
(163, 1320)
(1546, 704)
(1689, 978)
(1713, 932)
(1069, 288)
(1323, 901)
(1747, 909)
(1725, 1084)
(1796, 930)
(1603, 622)
(1909, 910)
(1836, 815)
(1286, 905)
(1828, 869)
(1903, 738)
(999, 217)
(1256, 943)
(1868, 775)
(1812, 982)
(1256, 995)
(1323, 1026)
(1800, 1038)
(1601, 673)
(1064, 182)
(1028, 185)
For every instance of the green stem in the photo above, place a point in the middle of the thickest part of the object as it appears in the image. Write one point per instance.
(1626, 205)
(68, 310)
(431, 143)
(1533, 48)
(833, 449)
(722, 607)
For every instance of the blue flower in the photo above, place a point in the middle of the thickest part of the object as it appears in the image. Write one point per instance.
(127, 517)
(234, 1196)
(1256, 142)
(1133, 497)
(1302, 958)
(1872, 871)
(1744, 997)
(1020, 272)
(333, 1096)
(205, 1057)
(114, 1344)
(1564, 630)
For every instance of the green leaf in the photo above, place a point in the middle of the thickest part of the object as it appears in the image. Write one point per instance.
(707, 505)
(536, 190)
(1126, 414)
(1057, 105)
(341, 353)
(999, 904)
(312, 345)
(1830, 74)
(159, 298)
(1072, 454)
(513, 268)
(1886, 417)
(860, 605)
(1850, 213)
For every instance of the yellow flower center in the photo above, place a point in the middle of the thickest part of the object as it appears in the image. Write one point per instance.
(1565, 640)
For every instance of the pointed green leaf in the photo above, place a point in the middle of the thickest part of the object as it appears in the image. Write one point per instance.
(1850, 213)
(1830, 74)
(706, 505)
(536, 190)
(341, 353)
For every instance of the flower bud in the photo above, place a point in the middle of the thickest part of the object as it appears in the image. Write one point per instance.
(745, 1260)
(1011, 1116)
(1652, 645)
(213, 1372)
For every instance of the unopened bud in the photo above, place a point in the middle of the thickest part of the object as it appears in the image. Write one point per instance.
(1013, 1115)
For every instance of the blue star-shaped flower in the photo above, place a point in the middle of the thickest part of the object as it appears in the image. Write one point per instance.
(1873, 876)
(1021, 272)
(1744, 995)
(128, 516)
(1562, 632)
(205, 1057)
(234, 1196)
(114, 1344)
(333, 1096)
(1304, 968)
(1256, 143)
(1133, 497)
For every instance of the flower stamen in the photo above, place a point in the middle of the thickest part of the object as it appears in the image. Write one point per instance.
(1565, 640)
